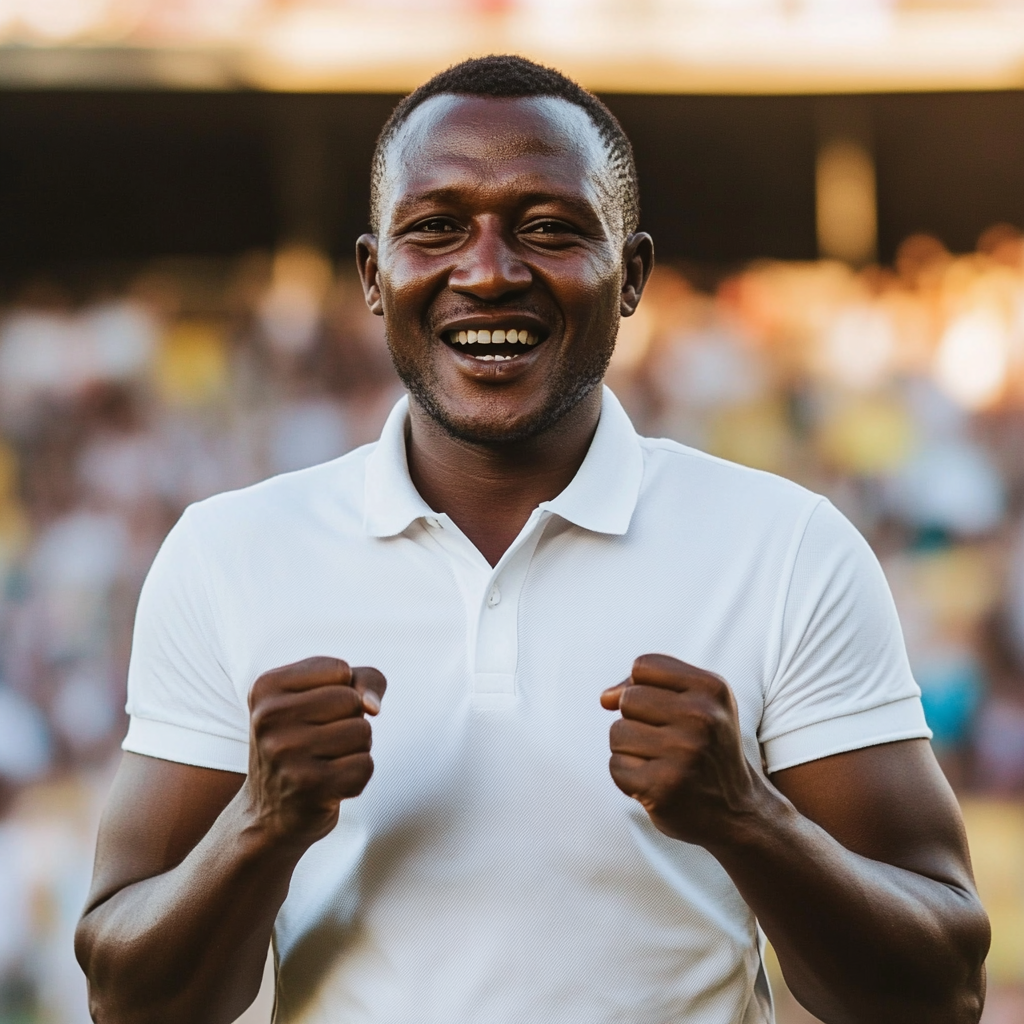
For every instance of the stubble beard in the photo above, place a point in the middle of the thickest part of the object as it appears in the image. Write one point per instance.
(570, 388)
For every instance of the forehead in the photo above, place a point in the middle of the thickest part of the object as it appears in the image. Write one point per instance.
(507, 144)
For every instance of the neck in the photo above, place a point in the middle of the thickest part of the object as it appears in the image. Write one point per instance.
(490, 490)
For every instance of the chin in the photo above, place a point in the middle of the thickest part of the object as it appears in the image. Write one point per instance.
(492, 424)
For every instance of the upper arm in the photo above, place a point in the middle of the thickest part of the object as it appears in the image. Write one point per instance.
(156, 813)
(890, 803)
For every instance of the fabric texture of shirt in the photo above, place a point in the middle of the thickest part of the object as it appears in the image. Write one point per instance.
(491, 872)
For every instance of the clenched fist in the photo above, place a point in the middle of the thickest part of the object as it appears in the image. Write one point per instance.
(677, 749)
(310, 745)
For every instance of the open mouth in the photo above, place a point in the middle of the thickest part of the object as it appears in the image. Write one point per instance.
(494, 345)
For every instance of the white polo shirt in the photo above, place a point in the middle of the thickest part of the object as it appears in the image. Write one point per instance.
(491, 872)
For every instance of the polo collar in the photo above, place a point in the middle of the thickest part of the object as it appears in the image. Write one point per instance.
(601, 496)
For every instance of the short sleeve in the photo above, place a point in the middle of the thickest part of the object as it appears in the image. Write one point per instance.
(181, 699)
(843, 680)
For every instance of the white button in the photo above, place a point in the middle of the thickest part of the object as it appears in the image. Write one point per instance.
(434, 524)
(493, 597)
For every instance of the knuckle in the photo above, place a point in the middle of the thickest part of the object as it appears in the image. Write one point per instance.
(350, 701)
(323, 665)
(273, 747)
(356, 735)
(634, 700)
(644, 661)
(359, 771)
(704, 719)
(261, 719)
(259, 690)
(671, 776)
(267, 714)
(617, 767)
(719, 688)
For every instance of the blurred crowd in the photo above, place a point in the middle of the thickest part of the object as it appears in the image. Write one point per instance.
(119, 407)
(899, 393)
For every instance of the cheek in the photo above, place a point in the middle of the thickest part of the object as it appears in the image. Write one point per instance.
(401, 274)
(594, 281)
(597, 299)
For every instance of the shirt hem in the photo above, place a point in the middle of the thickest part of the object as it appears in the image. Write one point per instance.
(888, 723)
(185, 746)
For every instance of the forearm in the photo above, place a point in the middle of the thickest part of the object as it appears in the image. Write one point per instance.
(860, 942)
(189, 944)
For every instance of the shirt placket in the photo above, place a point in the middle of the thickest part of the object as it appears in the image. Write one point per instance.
(492, 599)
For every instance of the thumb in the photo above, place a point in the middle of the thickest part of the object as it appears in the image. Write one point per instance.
(610, 698)
(370, 684)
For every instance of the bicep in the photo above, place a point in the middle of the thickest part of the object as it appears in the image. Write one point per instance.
(890, 803)
(156, 813)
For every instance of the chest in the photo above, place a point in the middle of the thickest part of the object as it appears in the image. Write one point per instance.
(515, 657)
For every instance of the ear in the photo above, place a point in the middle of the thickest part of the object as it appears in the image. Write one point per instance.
(366, 261)
(637, 264)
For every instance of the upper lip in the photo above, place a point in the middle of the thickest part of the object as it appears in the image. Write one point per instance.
(517, 321)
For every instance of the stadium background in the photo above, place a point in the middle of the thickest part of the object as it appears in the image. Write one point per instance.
(836, 191)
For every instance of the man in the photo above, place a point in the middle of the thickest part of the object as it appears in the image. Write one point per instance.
(526, 572)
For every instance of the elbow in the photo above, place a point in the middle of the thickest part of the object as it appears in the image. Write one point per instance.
(971, 995)
(90, 955)
(963, 1005)
(125, 989)
(963, 997)
(975, 937)
(85, 949)
(84, 945)
(105, 976)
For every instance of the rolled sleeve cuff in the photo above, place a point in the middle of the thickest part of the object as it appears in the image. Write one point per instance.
(888, 723)
(186, 746)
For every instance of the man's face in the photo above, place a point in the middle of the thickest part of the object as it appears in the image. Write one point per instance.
(499, 219)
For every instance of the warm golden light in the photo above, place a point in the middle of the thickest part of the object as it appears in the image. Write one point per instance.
(698, 46)
(846, 215)
(972, 360)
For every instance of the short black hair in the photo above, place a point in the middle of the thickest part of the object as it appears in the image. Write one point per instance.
(507, 76)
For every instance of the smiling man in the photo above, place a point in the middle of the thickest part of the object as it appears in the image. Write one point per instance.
(542, 589)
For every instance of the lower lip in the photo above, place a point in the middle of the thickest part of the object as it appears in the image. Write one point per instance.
(495, 369)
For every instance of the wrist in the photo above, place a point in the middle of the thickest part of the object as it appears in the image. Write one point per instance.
(264, 833)
(761, 822)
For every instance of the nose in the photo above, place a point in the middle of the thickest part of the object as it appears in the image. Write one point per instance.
(488, 267)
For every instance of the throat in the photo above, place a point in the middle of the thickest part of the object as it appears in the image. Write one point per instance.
(488, 490)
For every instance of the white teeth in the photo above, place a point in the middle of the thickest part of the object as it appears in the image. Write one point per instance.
(498, 337)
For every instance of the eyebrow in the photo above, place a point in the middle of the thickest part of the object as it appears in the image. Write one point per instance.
(454, 196)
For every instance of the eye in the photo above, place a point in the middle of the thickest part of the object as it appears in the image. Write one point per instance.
(547, 227)
(436, 225)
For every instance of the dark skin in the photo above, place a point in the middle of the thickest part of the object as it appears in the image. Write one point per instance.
(503, 212)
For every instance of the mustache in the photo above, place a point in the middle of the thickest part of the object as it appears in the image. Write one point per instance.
(463, 310)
